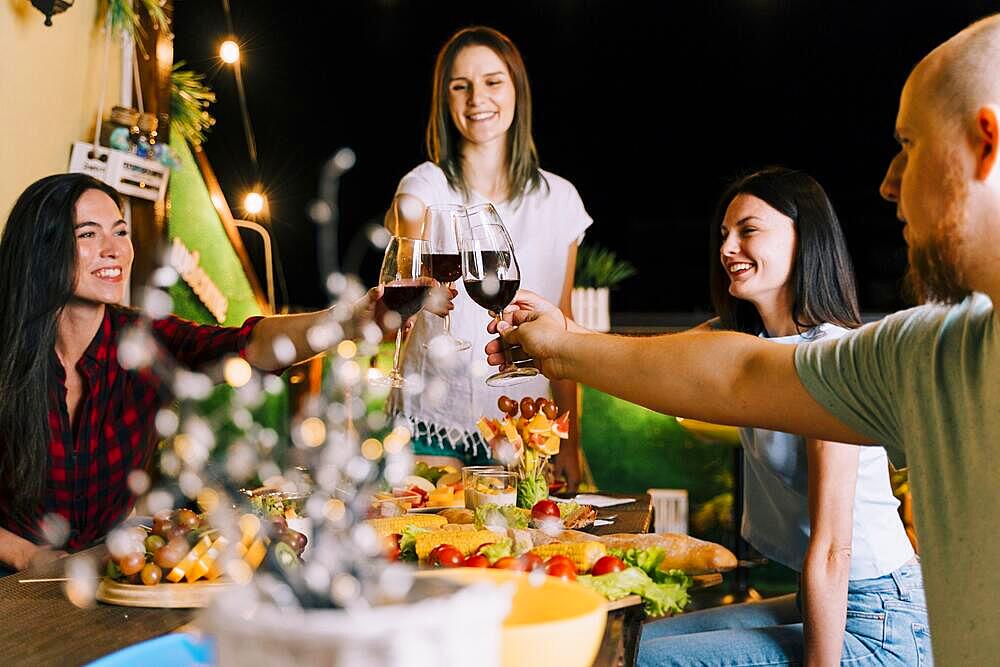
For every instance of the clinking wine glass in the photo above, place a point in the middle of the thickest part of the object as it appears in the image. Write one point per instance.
(491, 275)
(406, 278)
(446, 263)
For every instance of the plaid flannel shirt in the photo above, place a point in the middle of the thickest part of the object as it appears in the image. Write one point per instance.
(114, 434)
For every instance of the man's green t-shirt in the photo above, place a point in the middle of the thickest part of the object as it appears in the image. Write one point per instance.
(925, 383)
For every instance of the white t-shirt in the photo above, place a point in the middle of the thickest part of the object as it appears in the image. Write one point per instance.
(925, 382)
(542, 224)
(776, 495)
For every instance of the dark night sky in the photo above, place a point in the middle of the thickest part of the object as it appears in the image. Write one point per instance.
(647, 107)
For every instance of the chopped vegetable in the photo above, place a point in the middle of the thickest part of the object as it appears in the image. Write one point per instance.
(497, 550)
(659, 598)
(501, 516)
(408, 542)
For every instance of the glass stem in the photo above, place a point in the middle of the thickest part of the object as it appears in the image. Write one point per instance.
(395, 355)
(508, 364)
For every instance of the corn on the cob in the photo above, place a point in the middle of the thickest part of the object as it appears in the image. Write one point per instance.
(387, 525)
(465, 541)
(583, 554)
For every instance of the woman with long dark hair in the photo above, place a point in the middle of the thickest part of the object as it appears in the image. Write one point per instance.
(74, 422)
(480, 148)
(824, 509)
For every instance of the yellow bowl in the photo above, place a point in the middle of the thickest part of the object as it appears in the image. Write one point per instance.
(551, 622)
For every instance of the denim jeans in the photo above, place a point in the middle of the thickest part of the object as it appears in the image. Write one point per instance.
(886, 625)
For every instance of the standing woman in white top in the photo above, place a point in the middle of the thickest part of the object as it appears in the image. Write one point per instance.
(481, 149)
(824, 509)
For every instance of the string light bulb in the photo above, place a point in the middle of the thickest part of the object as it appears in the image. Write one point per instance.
(229, 51)
(254, 203)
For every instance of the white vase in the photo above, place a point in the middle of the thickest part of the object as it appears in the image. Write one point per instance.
(591, 307)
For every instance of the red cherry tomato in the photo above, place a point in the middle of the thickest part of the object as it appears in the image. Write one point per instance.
(392, 553)
(531, 562)
(476, 560)
(434, 552)
(509, 563)
(607, 564)
(562, 569)
(449, 556)
(545, 508)
(479, 549)
(527, 408)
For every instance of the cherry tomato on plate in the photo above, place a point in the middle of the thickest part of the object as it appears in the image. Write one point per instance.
(509, 563)
(560, 567)
(531, 562)
(607, 564)
(447, 556)
(476, 560)
(545, 508)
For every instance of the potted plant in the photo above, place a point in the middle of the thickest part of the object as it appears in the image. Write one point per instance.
(598, 270)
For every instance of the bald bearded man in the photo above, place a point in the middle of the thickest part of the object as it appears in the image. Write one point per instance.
(924, 383)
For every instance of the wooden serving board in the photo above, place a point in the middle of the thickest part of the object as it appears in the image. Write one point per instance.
(163, 595)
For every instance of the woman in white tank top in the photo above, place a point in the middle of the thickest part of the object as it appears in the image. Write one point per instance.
(823, 509)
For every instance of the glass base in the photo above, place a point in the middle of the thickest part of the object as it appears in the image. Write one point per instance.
(511, 376)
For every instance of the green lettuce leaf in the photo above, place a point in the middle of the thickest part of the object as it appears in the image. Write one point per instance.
(659, 599)
(408, 542)
(498, 550)
(504, 516)
(648, 560)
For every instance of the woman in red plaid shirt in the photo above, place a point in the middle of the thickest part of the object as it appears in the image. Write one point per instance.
(73, 421)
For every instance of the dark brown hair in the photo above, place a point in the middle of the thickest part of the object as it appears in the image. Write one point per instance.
(822, 279)
(443, 138)
(37, 279)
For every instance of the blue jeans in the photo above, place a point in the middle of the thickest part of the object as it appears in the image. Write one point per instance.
(886, 625)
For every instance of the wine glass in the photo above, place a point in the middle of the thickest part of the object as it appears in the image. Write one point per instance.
(446, 264)
(405, 278)
(491, 275)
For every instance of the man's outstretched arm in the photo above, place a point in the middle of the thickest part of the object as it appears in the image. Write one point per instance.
(718, 377)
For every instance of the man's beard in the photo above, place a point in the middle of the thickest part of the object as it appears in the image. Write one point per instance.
(935, 274)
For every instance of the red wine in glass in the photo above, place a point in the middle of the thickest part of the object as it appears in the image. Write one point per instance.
(446, 267)
(405, 298)
(492, 294)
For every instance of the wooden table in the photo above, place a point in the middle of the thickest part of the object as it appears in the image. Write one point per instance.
(41, 623)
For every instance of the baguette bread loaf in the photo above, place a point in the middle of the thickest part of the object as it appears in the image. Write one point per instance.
(458, 515)
(683, 552)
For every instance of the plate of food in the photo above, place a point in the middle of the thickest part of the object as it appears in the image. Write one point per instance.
(182, 561)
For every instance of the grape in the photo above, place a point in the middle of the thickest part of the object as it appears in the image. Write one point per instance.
(540, 403)
(187, 519)
(170, 554)
(507, 405)
(132, 563)
(527, 408)
(151, 574)
(295, 540)
(163, 524)
(550, 410)
(154, 542)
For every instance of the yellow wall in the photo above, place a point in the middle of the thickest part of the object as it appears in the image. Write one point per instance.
(49, 89)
